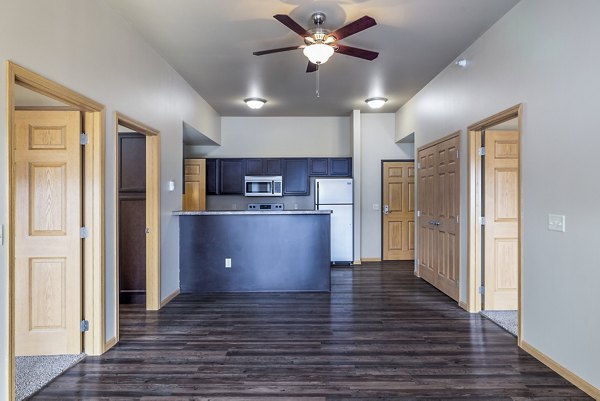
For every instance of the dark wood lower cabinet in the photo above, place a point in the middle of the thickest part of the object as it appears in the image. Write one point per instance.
(132, 250)
(381, 334)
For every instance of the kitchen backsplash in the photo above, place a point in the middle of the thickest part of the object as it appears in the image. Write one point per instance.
(238, 202)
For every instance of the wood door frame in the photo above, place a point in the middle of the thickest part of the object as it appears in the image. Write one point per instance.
(152, 213)
(474, 233)
(383, 161)
(93, 206)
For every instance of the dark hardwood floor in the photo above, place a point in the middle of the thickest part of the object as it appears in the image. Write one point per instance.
(380, 334)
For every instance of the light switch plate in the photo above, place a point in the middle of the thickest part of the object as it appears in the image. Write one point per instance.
(171, 186)
(228, 263)
(556, 222)
(375, 206)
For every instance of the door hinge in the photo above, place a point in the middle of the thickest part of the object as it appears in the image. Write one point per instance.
(457, 154)
(482, 151)
(418, 165)
(84, 232)
(84, 326)
(457, 219)
(418, 261)
(482, 221)
(83, 139)
(481, 290)
(418, 213)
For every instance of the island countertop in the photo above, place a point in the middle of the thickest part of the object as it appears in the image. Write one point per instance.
(246, 212)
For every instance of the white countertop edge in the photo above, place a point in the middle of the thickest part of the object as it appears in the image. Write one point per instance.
(246, 212)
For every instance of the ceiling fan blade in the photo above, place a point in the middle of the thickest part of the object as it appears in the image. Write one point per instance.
(281, 49)
(293, 25)
(311, 67)
(354, 27)
(356, 52)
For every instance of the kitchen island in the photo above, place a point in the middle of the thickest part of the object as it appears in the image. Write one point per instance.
(266, 251)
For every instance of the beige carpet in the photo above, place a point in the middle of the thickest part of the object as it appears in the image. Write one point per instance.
(34, 372)
(507, 319)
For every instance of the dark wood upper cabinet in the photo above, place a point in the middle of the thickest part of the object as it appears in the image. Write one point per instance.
(319, 166)
(232, 176)
(132, 162)
(254, 167)
(226, 176)
(295, 177)
(272, 166)
(340, 167)
(212, 176)
(263, 166)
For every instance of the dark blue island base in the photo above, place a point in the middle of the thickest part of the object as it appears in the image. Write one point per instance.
(269, 251)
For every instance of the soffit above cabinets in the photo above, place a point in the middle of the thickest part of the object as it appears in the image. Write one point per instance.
(210, 43)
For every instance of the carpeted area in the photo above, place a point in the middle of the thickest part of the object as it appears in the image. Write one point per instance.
(507, 319)
(34, 372)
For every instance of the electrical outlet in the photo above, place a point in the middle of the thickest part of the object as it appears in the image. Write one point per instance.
(295, 206)
(228, 263)
(556, 222)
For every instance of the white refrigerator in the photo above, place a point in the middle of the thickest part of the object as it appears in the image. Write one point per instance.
(337, 194)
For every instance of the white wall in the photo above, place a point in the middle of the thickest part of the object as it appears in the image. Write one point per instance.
(377, 144)
(543, 53)
(280, 136)
(106, 60)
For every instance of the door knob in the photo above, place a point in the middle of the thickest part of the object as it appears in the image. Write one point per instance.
(147, 230)
(386, 209)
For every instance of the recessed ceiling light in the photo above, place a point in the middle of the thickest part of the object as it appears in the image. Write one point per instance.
(255, 102)
(376, 102)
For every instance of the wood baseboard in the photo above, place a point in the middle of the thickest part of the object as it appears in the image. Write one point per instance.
(357, 262)
(371, 260)
(169, 298)
(109, 344)
(561, 370)
(464, 306)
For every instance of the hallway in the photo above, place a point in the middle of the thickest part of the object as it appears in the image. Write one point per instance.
(381, 333)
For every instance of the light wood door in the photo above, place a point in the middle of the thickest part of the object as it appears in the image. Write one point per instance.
(501, 230)
(195, 184)
(438, 205)
(447, 210)
(427, 208)
(47, 232)
(399, 210)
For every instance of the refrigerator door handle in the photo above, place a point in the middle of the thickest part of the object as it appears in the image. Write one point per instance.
(317, 195)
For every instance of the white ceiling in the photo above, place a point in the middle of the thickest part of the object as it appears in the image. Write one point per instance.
(210, 43)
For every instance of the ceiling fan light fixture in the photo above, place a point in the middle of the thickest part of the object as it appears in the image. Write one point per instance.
(376, 102)
(255, 102)
(318, 53)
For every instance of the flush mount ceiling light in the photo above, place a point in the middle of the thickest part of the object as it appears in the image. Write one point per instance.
(463, 62)
(255, 102)
(376, 102)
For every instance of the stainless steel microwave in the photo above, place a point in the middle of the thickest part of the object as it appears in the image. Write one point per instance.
(263, 185)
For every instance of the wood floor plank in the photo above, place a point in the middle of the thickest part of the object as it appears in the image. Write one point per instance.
(382, 333)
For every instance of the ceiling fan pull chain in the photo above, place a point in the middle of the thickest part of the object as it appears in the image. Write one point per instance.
(318, 94)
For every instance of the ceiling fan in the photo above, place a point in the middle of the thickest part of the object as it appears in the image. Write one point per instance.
(320, 44)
